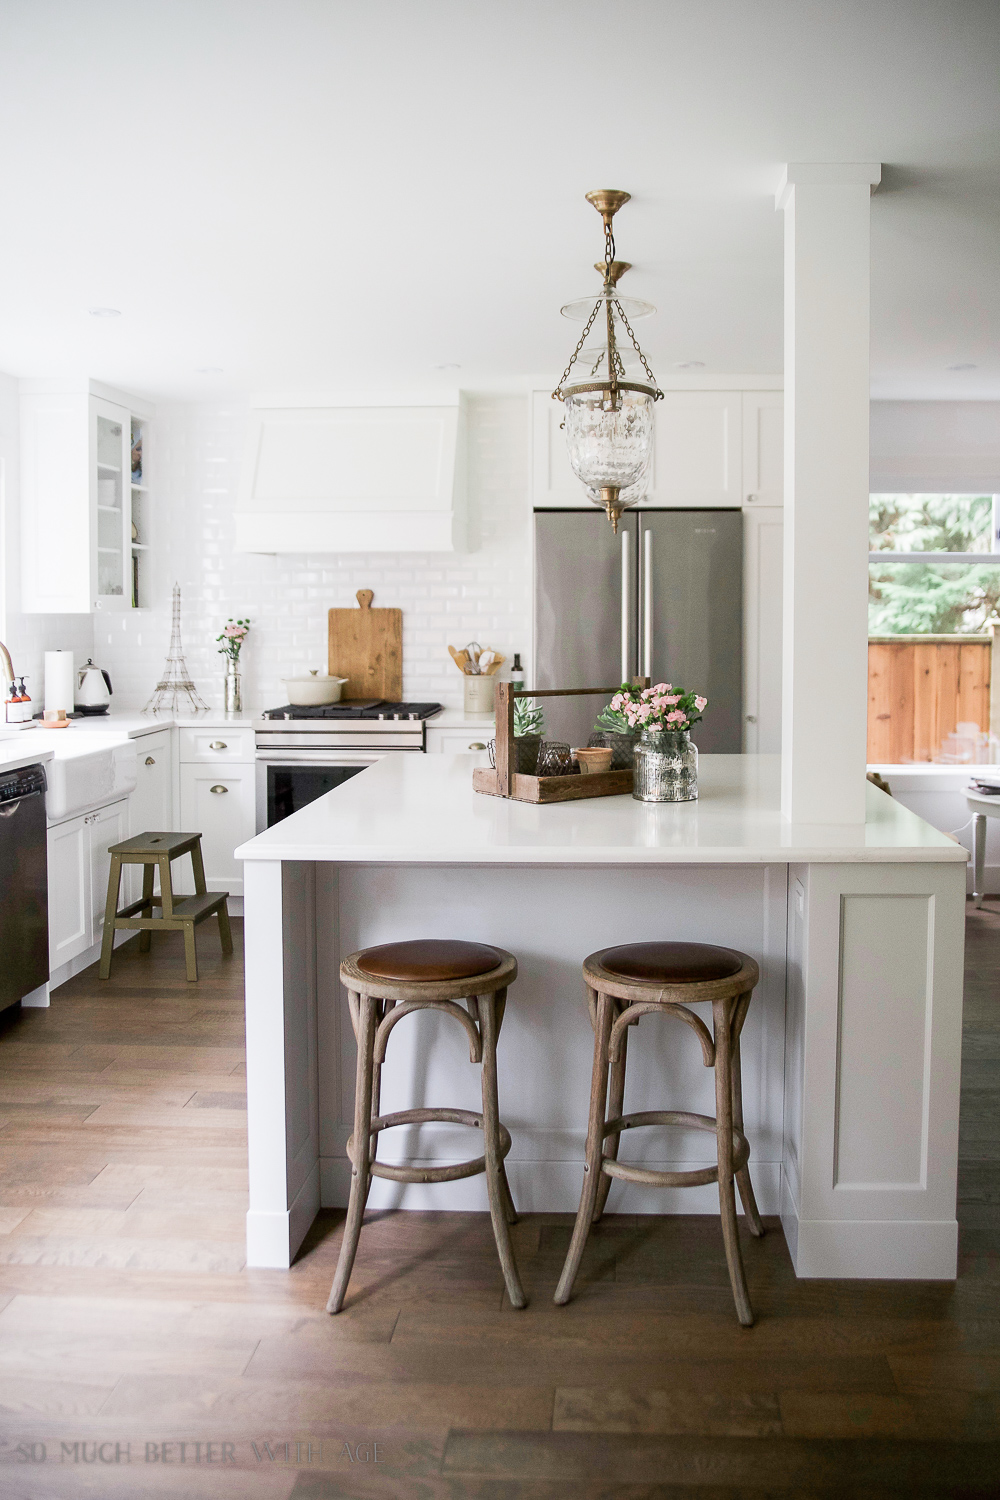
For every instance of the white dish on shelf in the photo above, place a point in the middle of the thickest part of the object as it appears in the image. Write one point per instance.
(314, 690)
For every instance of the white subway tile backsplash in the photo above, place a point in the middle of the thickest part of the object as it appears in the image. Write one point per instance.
(195, 458)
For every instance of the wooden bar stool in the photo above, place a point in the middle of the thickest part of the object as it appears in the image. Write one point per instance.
(179, 913)
(383, 985)
(623, 985)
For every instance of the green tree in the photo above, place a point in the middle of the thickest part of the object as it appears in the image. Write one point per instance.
(931, 598)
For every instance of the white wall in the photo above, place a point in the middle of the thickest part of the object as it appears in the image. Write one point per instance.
(194, 463)
(27, 637)
(924, 447)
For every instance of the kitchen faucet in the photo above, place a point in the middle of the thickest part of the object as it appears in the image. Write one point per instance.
(5, 658)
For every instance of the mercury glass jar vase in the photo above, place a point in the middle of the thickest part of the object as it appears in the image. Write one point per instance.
(665, 767)
(234, 690)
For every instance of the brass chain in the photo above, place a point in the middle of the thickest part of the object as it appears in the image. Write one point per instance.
(657, 393)
(557, 394)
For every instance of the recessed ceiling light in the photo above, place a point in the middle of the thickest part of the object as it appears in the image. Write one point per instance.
(446, 367)
(690, 364)
(104, 312)
(962, 367)
(208, 370)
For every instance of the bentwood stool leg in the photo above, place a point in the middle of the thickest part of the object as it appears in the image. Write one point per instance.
(722, 1011)
(616, 1104)
(595, 1147)
(360, 1151)
(110, 912)
(509, 1207)
(754, 1222)
(495, 1176)
(145, 935)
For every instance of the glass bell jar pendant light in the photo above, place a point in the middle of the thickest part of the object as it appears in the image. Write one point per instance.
(609, 396)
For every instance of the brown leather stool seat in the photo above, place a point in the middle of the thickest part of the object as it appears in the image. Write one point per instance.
(672, 963)
(625, 984)
(429, 959)
(385, 984)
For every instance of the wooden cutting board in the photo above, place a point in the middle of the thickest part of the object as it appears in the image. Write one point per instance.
(366, 647)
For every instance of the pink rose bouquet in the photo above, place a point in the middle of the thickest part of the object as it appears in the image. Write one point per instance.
(234, 633)
(661, 707)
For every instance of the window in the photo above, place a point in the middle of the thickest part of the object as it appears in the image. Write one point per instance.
(934, 564)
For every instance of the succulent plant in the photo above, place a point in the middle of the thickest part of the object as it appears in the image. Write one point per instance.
(528, 718)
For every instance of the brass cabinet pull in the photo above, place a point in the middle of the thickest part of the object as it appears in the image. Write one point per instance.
(477, 745)
(219, 789)
(150, 761)
(218, 745)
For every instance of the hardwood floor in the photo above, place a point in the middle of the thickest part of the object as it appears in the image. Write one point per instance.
(138, 1357)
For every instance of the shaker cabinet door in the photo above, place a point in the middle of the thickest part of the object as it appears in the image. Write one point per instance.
(70, 909)
(109, 825)
(218, 803)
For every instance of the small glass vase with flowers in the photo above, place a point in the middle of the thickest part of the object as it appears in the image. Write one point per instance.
(234, 633)
(665, 762)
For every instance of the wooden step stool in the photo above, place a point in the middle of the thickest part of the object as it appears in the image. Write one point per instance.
(179, 913)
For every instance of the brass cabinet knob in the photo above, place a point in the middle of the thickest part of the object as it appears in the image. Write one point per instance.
(150, 761)
(218, 745)
(477, 745)
(219, 789)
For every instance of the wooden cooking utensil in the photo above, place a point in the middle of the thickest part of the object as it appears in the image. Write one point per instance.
(366, 647)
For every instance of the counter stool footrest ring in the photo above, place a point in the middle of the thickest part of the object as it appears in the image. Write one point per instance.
(452, 1173)
(693, 1178)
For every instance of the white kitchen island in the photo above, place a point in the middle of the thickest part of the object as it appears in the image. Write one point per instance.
(851, 1049)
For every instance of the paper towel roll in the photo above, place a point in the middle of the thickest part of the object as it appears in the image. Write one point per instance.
(60, 680)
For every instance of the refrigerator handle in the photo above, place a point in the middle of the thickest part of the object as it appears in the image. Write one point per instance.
(626, 611)
(647, 604)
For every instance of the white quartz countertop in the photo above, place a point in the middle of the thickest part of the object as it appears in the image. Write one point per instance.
(421, 809)
(24, 748)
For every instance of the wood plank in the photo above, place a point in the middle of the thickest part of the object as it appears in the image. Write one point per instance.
(879, 703)
(365, 645)
(925, 745)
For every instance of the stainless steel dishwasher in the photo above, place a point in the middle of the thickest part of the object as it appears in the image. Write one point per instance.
(24, 901)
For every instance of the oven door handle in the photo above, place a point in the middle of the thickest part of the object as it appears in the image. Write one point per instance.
(332, 758)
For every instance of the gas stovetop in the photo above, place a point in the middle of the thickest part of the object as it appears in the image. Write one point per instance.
(372, 711)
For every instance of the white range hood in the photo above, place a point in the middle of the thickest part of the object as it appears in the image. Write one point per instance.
(328, 475)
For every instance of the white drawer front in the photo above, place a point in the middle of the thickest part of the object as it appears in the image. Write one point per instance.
(214, 746)
(462, 742)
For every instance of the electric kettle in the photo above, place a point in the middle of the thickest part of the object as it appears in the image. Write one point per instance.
(93, 690)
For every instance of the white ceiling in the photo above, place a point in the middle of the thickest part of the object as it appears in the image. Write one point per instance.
(313, 194)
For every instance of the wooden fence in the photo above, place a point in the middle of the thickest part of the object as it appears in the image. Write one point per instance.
(920, 688)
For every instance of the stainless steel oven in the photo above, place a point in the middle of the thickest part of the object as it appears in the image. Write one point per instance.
(299, 760)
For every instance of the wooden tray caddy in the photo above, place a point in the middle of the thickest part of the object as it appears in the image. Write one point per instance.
(506, 782)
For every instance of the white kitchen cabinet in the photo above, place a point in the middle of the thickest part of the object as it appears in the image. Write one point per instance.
(151, 805)
(216, 746)
(763, 542)
(79, 862)
(108, 825)
(70, 905)
(763, 448)
(84, 510)
(699, 450)
(218, 803)
(462, 741)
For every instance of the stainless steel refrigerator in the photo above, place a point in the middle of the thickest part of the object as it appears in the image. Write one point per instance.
(662, 599)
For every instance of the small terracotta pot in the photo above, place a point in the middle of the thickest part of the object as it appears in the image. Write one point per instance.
(593, 760)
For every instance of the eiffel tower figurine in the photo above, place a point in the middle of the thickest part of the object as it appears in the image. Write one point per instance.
(176, 680)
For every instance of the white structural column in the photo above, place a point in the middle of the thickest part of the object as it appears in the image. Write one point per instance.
(825, 649)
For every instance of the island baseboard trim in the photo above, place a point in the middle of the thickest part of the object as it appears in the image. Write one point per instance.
(274, 1238)
(873, 1250)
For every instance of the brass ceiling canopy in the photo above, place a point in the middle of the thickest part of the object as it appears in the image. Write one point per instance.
(609, 416)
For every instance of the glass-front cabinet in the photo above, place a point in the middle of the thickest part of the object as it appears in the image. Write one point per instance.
(87, 513)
